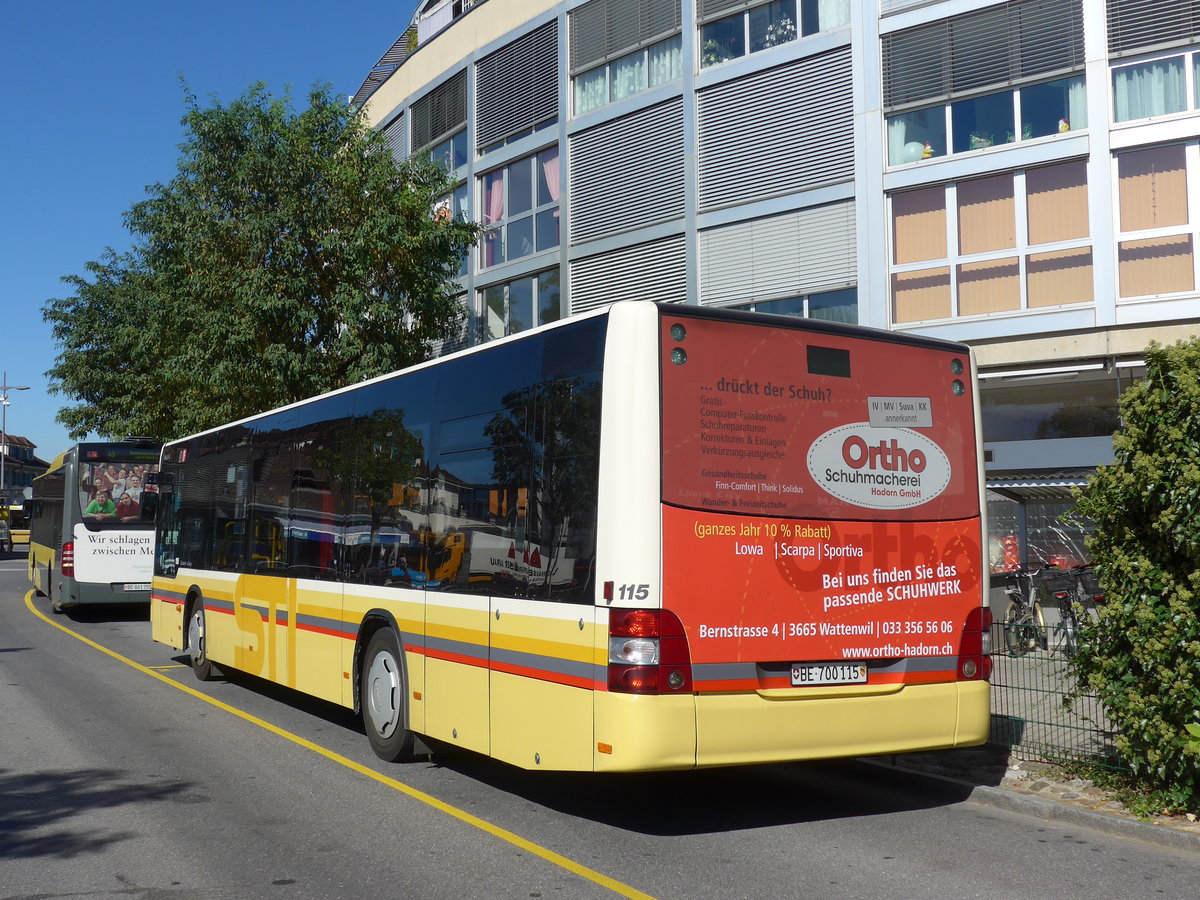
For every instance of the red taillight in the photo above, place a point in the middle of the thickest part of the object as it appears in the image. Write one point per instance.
(66, 559)
(634, 623)
(648, 652)
(975, 647)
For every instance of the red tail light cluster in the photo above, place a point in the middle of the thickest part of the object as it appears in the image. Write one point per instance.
(66, 559)
(975, 651)
(648, 652)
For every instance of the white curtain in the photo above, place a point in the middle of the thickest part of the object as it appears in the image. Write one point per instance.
(1077, 104)
(666, 61)
(591, 90)
(832, 13)
(900, 150)
(629, 75)
(1149, 89)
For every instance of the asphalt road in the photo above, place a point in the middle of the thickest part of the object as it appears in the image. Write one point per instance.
(123, 776)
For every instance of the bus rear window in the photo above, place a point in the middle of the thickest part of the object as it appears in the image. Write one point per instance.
(110, 490)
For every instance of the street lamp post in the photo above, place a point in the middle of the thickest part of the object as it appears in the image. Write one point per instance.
(4, 389)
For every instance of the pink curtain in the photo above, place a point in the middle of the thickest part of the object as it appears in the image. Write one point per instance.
(549, 161)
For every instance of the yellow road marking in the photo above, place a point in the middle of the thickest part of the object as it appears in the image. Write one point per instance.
(516, 840)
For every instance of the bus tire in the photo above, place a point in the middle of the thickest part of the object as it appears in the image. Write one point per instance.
(202, 666)
(383, 692)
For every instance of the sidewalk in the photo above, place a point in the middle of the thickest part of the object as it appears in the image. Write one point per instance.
(1043, 790)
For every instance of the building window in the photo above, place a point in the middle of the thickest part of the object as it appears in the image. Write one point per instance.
(629, 75)
(519, 304)
(963, 250)
(1156, 87)
(767, 25)
(830, 306)
(1155, 253)
(455, 205)
(619, 48)
(451, 153)
(976, 123)
(520, 208)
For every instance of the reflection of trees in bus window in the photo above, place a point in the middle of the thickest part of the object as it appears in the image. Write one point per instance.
(545, 453)
(387, 507)
(273, 443)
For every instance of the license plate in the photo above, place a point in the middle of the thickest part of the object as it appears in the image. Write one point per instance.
(828, 673)
(137, 587)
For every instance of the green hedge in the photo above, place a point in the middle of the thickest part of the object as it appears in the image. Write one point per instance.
(1142, 657)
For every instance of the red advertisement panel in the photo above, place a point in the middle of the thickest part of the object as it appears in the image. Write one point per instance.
(821, 497)
(758, 589)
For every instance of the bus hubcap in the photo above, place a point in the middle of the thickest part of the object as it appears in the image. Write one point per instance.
(383, 693)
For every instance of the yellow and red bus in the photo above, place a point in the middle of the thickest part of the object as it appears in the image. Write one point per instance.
(683, 537)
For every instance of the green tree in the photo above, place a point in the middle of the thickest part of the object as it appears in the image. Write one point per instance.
(1142, 657)
(290, 255)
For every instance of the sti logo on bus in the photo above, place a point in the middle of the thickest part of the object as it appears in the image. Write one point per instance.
(880, 468)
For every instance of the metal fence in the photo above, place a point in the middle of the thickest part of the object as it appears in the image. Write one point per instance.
(1030, 715)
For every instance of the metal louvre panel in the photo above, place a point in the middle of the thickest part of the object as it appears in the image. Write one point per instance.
(989, 47)
(393, 133)
(441, 112)
(916, 63)
(623, 26)
(802, 252)
(653, 271)
(586, 29)
(1141, 24)
(887, 7)
(517, 86)
(979, 51)
(1050, 36)
(778, 131)
(628, 173)
(709, 9)
(660, 18)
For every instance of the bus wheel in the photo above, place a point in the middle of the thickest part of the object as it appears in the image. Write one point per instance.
(382, 691)
(201, 664)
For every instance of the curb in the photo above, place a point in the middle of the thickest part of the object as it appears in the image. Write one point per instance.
(1160, 835)
(1052, 810)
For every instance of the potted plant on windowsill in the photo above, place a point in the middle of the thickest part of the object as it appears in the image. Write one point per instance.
(980, 139)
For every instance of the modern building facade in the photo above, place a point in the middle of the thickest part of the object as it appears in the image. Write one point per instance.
(1023, 176)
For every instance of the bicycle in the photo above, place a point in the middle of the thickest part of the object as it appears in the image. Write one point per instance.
(1061, 587)
(1024, 621)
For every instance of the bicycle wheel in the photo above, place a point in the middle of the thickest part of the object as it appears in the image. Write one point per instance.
(1039, 638)
(1070, 627)
(1016, 625)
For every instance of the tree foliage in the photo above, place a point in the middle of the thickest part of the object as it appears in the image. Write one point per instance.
(1142, 657)
(290, 255)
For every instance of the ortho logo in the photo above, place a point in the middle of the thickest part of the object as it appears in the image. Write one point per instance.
(879, 468)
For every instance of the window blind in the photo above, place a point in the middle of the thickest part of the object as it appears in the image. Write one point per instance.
(393, 133)
(652, 271)
(517, 86)
(628, 173)
(990, 47)
(801, 252)
(1138, 25)
(440, 113)
(778, 131)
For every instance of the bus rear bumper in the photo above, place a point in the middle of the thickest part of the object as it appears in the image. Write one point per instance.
(734, 729)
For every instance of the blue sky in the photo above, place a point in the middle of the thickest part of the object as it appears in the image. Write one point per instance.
(90, 116)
